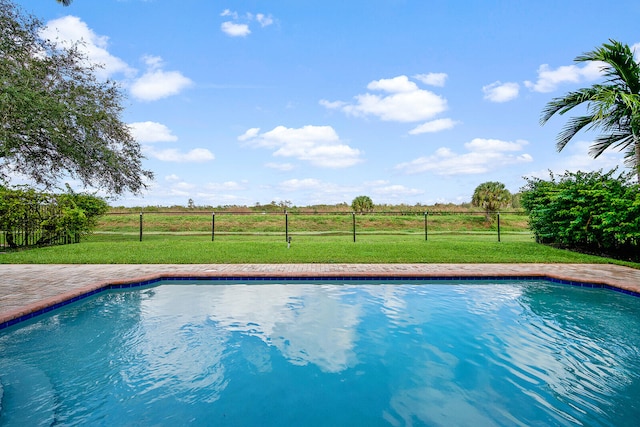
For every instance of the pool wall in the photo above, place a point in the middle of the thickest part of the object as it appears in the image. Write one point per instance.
(36, 309)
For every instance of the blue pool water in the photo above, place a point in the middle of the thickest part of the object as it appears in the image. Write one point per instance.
(476, 353)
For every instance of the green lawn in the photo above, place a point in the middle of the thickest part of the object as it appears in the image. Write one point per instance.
(405, 248)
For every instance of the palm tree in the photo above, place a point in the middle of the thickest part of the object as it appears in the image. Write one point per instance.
(491, 196)
(613, 106)
(362, 204)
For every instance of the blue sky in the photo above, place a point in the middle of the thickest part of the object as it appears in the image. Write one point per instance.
(313, 102)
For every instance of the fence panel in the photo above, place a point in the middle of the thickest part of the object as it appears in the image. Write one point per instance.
(301, 224)
(33, 229)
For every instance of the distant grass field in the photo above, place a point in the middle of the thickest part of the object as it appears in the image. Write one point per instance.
(181, 222)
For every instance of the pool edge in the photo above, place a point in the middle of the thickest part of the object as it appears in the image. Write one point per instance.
(46, 305)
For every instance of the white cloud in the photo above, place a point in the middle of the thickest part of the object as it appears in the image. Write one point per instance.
(228, 12)
(223, 198)
(432, 79)
(152, 62)
(394, 85)
(175, 188)
(501, 92)
(155, 83)
(319, 145)
(377, 183)
(152, 85)
(321, 191)
(151, 132)
(636, 51)
(172, 178)
(183, 186)
(235, 30)
(406, 103)
(302, 184)
(395, 190)
(279, 166)
(402, 101)
(148, 132)
(575, 157)
(335, 105)
(483, 145)
(549, 80)
(264, 20)
(249, 134)
(433, 126)
(70, 30)
(224, 186)
(483, 156)
(177, 192)
(197, 155)
(317, 191)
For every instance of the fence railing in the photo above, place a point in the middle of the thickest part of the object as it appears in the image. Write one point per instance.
(287, 224)
(33, 229)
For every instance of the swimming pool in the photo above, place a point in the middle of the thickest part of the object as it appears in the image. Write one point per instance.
(527, 352)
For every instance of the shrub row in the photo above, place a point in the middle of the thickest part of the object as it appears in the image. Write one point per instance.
(587, 211)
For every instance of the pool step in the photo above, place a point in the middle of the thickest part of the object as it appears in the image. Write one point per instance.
(27, 397)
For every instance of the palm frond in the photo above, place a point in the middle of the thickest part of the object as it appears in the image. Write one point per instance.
(620, 141)
(571, 128)
(566, 103)
(620, 66)
(612, 106)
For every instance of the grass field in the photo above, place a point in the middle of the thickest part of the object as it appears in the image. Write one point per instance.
(179, 238)
(196, 249)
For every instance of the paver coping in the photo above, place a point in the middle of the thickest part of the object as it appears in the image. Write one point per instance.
(29, 289)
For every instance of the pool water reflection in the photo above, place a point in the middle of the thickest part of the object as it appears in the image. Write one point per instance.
(474, 353)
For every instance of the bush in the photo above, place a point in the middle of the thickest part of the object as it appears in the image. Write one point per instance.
(587, 211)
(28, 217)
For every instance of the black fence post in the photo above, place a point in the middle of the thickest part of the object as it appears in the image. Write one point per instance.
(141, 226)
(498, 226)
(213, 226)
(353, 214)
(426, 216)
(286, 226)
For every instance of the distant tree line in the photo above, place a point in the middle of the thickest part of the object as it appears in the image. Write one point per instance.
(592, 212)
(513, 204)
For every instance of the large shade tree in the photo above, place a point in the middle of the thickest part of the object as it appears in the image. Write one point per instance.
(57, 119)
(613, 106)
(491, 196)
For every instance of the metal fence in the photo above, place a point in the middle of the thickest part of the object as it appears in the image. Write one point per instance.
(287, 224)
(35, 228)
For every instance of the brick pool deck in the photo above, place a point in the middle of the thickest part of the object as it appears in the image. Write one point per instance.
(29, 288)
